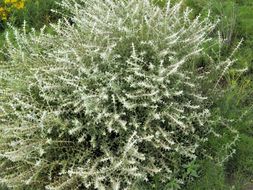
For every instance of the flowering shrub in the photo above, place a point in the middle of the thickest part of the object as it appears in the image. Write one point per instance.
(9, 6)
(108, 100)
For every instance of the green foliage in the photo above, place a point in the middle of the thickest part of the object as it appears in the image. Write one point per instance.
(212, 177)
(2, 187)
(240, 167)
(36, 13)
(236, 23)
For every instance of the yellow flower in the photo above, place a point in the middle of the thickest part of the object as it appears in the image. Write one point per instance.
(3, 13)
(19, 5)
(10, 1)
(9, 6)
(1, 9)
(4, 16)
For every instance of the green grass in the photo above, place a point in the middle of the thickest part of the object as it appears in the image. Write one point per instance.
(236, 23)
(237, 101)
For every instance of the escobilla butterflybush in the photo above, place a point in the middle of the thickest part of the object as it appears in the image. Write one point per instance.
(106, 102)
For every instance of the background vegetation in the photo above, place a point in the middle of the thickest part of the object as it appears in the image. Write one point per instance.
(236, 23)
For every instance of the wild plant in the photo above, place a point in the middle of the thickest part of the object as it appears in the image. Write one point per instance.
(113, 97)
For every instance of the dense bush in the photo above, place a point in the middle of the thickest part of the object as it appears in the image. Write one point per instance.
(108, 100)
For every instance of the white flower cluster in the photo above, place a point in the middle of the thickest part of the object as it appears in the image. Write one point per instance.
(106, 100)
